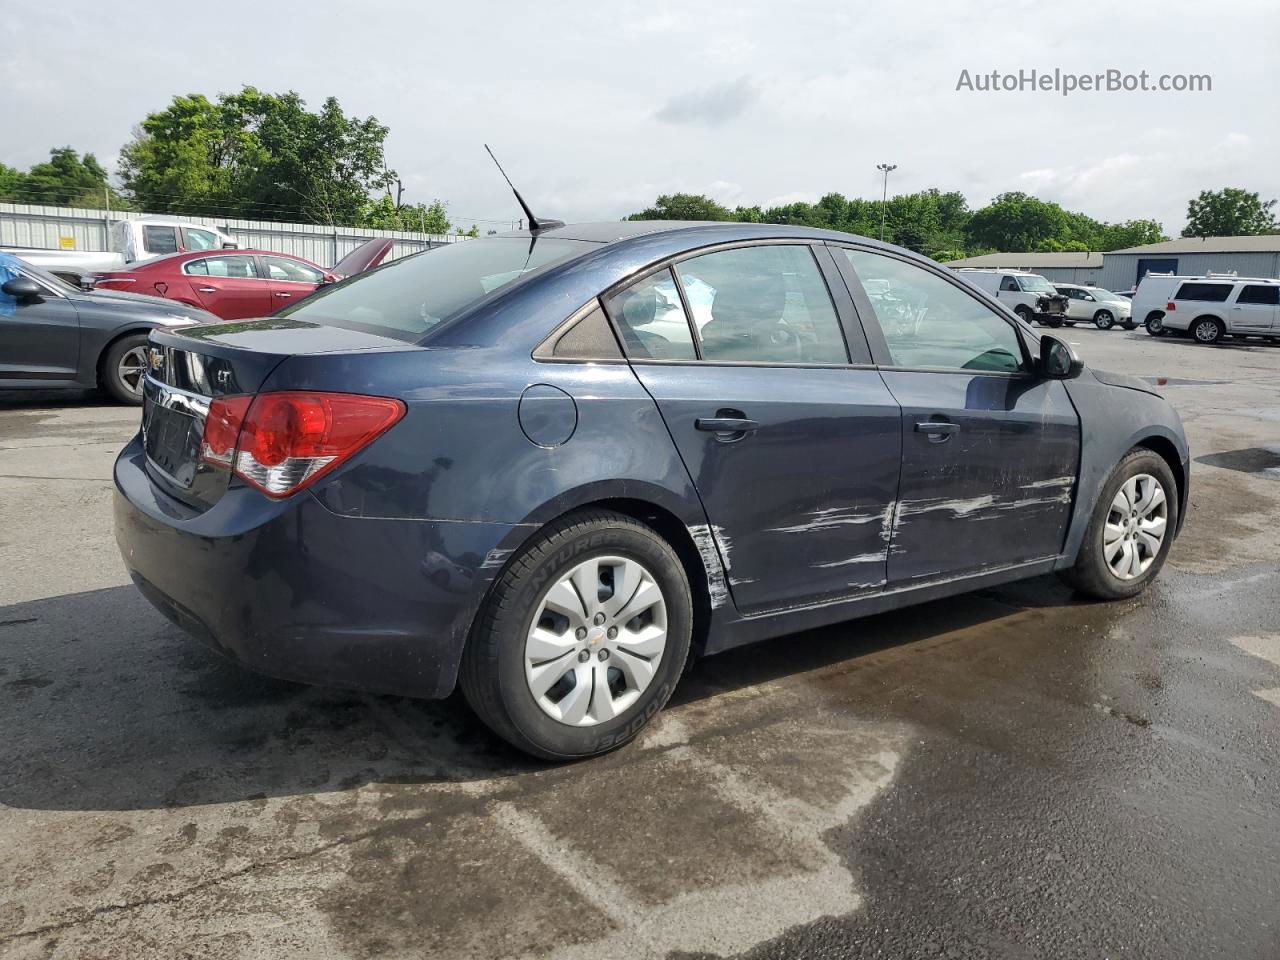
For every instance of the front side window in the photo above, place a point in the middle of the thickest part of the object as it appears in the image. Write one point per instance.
(243, 268)
(929, 323)
(279, 268)
(652, 320)
(1009, 284)
(201, 240)
(1208, 292)
(763, 304)
(1268, 295)
(160, 240)
(407, 298)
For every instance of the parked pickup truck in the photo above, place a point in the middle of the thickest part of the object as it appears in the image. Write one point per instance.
(131, 240)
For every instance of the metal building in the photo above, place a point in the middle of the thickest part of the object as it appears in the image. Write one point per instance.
(1193, 256)
(1083, 268)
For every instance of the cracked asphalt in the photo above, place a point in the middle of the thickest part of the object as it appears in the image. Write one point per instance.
(1013, 773)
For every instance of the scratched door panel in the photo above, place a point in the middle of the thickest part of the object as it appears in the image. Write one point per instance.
(800, 506)
(997, 491)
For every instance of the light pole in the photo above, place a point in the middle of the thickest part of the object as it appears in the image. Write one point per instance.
(886, 169)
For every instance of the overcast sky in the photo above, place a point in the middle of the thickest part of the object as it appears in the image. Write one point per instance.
(597, 107)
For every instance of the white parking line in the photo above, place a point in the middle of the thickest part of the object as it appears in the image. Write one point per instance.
(1265, 648)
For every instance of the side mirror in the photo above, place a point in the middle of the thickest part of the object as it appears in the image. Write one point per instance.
(23, 289)
(1057, 360)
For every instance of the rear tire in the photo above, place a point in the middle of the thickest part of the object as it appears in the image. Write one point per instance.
(123, 368)
(606, 687)
(1103, 320)
(1123, 532)
(1207, 330)
(1155, 325)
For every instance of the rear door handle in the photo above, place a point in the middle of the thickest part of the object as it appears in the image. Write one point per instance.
(284, 294)
(938, 430)
(725, 424)
(206, 290)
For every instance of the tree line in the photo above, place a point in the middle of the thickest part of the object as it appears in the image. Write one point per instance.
(942, 226)
(262, 156)
(248, 155)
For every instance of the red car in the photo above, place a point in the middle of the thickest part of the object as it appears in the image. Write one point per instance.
(234, 284)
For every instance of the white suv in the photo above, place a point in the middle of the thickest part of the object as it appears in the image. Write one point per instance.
(1029, 295)
(1102, 308)
(1209, 308)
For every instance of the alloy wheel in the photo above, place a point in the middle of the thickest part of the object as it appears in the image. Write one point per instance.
(596, 641)
(1136, 526)
(132, 369)
(1206, 331)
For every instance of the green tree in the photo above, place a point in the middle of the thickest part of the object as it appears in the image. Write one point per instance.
(385, 214)
(1016, 222)
(256, 155)
(1131, 233)
(684, 206)
(1229, 213)
(66, 179)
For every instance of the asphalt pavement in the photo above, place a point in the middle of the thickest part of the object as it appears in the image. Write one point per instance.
(1012, 773)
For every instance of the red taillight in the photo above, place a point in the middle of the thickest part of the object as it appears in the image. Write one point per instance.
(1169, 306)
(222, 430)
(280, 442)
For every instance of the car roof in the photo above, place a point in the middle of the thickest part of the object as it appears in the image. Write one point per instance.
(608, 231)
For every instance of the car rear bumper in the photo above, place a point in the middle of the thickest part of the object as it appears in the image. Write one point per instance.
(291, 589)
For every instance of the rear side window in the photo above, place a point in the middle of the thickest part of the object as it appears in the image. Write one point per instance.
(160, 240)
(1268, 295)
(1208, 292)
(763, 304)
(652, 320)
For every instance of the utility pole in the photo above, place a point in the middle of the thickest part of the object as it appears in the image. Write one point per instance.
(886, 169)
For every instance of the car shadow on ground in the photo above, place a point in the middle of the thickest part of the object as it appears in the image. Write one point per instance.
(24, 399)
(107, 706)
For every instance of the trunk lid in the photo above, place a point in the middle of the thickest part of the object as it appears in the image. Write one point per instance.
(191, 367)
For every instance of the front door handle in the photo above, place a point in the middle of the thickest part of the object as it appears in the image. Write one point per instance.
(284, 294)
(938, 430)
(206, 290)
(726, 425)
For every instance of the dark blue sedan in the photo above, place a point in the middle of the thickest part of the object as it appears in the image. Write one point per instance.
(553, 466)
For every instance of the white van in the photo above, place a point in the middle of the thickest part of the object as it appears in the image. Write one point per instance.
(139, 238)
(1209, 308)
(1029, 295)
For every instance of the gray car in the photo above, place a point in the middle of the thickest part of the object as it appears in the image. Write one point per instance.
(55, 335)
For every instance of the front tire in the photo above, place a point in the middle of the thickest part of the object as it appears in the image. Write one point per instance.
(582, 638)
(1103, 320)
(1131, 530)
(124, 367)
(1025, 315)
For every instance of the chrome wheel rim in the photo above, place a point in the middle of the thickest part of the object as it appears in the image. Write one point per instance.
(132, 368)
(1206, 332)
(1104, 320)
(596, 641)
(1135, 527)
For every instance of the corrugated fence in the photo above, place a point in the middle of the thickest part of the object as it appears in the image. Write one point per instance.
(70, 228)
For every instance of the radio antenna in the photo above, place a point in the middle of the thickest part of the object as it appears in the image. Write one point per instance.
(535, 224)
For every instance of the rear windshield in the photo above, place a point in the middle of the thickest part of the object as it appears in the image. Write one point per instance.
(1213, 292)
(405, 299)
